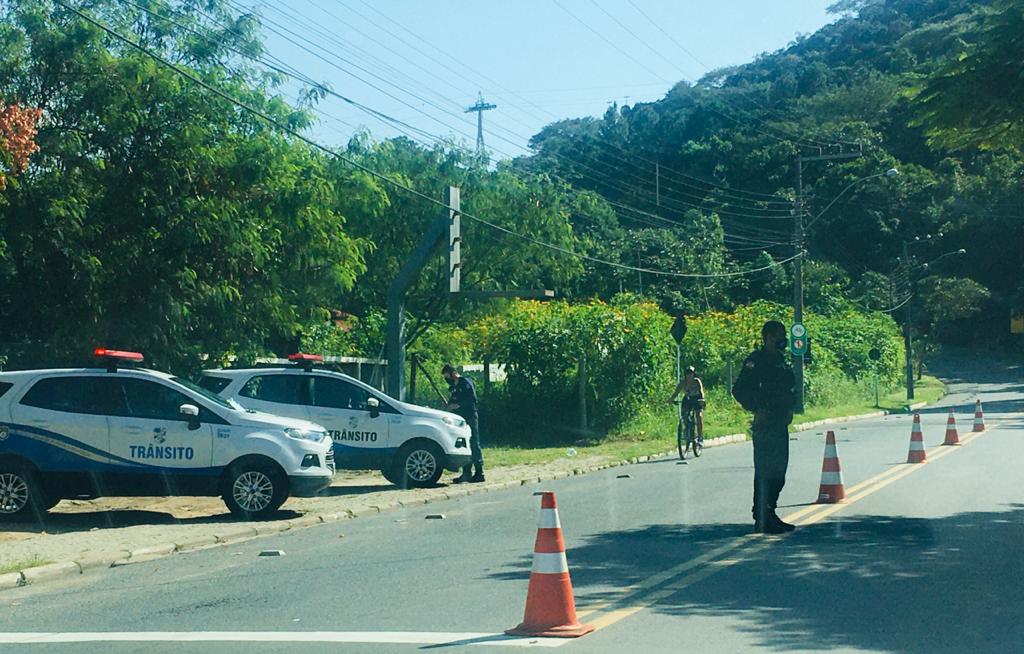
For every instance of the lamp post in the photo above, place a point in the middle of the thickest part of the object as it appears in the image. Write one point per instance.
(908, 325)
(798, 269)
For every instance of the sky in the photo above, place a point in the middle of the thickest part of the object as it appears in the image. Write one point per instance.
(413, 66)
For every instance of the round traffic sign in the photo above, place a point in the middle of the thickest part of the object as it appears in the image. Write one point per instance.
(798, 330)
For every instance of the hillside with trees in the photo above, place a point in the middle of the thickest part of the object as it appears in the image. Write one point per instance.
(169, 198)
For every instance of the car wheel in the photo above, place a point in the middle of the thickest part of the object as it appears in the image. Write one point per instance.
(391, 473)
(418, 465)
(255, 490)
(22, 496)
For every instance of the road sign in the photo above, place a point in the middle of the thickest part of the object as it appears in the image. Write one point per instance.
(679, 329)
(798, 339)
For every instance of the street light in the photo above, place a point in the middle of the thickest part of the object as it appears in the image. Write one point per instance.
(892, 172)
(908, 337)
(798, 269)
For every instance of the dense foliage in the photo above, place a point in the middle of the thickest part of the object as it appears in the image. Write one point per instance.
(156, 215)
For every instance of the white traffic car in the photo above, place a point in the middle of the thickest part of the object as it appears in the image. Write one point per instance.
(411, 445)
(126, 431)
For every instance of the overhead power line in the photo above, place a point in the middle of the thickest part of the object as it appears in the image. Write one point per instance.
(381, 176)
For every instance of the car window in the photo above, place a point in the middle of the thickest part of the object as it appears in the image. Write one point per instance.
(93, 395)
(213, 384)
(4, 387)
(339, 394)
(283, 389)
(152, 401)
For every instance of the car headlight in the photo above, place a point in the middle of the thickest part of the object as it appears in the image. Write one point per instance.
(453, 421)
(314, 435)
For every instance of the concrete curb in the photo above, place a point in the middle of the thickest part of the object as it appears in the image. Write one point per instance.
(240, 533)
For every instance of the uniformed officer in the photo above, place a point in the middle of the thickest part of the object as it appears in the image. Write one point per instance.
(766, 387)
(463, 402)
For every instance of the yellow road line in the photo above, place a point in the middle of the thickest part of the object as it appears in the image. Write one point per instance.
(746, 546)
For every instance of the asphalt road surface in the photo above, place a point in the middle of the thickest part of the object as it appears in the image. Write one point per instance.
(921, 558)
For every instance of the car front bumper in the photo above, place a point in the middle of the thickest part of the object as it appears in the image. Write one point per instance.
(455, 462)
(308, 486)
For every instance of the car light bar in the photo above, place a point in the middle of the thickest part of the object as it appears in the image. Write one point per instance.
(118, 354)
(301, 356)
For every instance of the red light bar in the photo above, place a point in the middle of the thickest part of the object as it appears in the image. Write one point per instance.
(300, 356)
(117, 354)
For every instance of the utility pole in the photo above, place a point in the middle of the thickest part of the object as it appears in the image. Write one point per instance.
(908, 338)
(479, 108)
(657, 184)
(798, 251)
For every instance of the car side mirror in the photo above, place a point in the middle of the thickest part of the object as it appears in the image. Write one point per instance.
(191, 413)
(374, 405)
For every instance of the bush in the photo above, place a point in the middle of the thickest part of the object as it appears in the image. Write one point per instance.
(626, 347)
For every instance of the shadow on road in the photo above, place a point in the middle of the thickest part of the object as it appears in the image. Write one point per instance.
(879, 583)
(65, 523)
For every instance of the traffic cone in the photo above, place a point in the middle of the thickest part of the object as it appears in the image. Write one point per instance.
(917, 454)
(952, 438)
(832, 489)
(550, 607)
(979, 417)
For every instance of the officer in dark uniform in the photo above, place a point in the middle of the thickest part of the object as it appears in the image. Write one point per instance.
(462, 401)
(766, 387)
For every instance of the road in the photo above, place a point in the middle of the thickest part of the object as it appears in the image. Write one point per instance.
(920, 558)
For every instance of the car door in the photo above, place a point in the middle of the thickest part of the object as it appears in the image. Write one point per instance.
(360, 437)
(160, 450)
(280, 393)
(64, 423)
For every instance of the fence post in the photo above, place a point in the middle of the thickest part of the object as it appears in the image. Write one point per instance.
(582, 382)
(415, 359)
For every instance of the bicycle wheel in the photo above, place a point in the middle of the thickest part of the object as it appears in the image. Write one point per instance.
(690, 430)
(698, 446)
(681, 441)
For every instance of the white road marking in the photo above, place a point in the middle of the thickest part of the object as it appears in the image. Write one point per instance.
(382, 637)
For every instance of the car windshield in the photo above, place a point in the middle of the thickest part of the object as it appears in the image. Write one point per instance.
(213, 397)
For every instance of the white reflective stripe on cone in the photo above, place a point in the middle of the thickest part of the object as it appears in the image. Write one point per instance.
(830, 452)
(832, 478)
(916, 445)
(548, 519)
(550, 563)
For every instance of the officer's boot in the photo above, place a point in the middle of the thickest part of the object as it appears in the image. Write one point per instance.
(467, 475)
(478, 476)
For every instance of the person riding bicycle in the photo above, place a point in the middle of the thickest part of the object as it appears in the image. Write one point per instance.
(692, 389)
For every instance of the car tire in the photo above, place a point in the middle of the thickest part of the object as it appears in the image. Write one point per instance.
(418, 465)
(23, 497)
(391, 473)
(254, 490)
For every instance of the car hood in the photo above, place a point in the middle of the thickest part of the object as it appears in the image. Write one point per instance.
(260, 419)
(425, 412)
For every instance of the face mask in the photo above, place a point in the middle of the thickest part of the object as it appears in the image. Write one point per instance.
(781, 343)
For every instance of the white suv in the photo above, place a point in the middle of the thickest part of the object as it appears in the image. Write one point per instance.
(124, 431)
(411, 445)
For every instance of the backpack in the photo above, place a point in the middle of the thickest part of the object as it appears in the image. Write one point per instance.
(745, 389)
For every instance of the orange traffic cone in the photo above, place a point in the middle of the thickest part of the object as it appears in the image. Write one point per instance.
(832, 489)
(550, 607)
(979, 417)
(952, 438)
(917, 454)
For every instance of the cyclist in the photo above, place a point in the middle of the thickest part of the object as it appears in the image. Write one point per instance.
(692, 389)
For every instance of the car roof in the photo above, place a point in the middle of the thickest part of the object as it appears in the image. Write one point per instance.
(16, 375)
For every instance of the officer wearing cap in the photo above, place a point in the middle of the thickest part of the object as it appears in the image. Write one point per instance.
(463, 401)
(766, 387)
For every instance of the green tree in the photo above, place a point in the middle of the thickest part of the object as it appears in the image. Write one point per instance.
(157, 216)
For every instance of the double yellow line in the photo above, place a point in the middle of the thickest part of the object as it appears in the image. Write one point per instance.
(636, 597)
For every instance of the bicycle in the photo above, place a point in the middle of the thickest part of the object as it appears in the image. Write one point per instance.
(686, 431)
